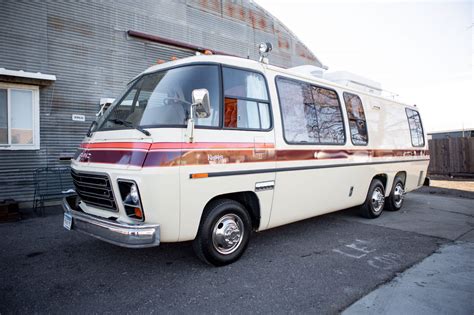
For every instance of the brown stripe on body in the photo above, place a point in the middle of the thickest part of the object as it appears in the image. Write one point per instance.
(173, 154)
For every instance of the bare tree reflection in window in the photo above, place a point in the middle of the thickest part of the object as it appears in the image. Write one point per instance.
(329, 117)
(292, 99)
(310, 114)
(357, 120)
(416, 128)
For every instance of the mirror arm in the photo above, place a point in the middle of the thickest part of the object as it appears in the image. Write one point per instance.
(190, 126)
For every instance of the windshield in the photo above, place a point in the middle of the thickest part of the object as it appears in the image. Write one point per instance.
(164, 98)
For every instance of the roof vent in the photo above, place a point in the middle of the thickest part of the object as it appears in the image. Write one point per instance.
(354, 81)
(309, 70)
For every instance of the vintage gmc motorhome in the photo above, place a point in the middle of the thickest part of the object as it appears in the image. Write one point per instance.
(210, 148)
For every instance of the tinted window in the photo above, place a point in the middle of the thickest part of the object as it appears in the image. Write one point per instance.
(311, 114)
(357, 121)
(416, 128)
(246, 104)
(164, 98)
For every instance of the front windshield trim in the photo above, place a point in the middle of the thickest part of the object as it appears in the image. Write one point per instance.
(220, 126)
(132, 84)
(105, 115)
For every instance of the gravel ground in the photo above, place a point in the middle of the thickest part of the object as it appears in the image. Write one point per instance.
(466, 185)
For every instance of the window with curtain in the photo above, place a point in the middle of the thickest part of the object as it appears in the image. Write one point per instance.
(246, 102)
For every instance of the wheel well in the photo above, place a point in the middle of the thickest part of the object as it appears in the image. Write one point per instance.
(382, 178)
(249, 200)
(402, 175)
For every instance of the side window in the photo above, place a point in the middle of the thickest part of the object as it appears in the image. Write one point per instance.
(19, 110)
(311, 114)
(416, 128)
(246, 102)
(357, 121)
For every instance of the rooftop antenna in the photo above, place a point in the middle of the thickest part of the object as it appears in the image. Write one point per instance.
(263, 50)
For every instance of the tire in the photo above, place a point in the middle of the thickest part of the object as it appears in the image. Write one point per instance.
(395, 201)
(220, 216)
(373, 206)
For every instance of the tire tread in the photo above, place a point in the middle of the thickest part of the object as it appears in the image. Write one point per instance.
(200, 244)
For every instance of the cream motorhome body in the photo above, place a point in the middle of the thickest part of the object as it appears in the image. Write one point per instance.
(211, 148)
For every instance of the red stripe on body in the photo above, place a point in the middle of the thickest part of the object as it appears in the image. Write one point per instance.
(206, 153)
(116, 145)
(210, 145)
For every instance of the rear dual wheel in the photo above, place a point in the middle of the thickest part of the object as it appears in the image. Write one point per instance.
(376, 201)
(373, 206)
(395, 200)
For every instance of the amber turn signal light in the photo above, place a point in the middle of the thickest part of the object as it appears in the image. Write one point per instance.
(200, 175)
(138, 213)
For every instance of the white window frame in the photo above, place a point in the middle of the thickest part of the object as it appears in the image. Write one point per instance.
(36, 115)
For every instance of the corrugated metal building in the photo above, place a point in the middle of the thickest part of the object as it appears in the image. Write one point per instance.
(93, 49)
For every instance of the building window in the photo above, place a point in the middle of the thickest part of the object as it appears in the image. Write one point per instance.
(311, 114)
(416, 128)
(246, 102)
(357, 121)
(19, 117)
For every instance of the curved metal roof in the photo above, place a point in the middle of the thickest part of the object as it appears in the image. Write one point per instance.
(235, 27)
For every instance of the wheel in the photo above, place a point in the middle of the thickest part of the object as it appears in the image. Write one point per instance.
(224, 233)
(373, 206)
(395, 200)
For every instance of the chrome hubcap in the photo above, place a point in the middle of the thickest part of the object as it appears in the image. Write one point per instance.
(227, 234)
(398, 195)
(377, 199)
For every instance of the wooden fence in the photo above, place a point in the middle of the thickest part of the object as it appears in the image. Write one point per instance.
(451, 156)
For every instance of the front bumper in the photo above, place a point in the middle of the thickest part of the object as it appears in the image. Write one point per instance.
(121, 234)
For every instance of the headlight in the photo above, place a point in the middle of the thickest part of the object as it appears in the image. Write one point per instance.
(133, 195)
(131, 199)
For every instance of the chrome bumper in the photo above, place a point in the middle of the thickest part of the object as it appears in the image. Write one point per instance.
(121, 234)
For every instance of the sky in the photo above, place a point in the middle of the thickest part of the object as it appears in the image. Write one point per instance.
(421, 50)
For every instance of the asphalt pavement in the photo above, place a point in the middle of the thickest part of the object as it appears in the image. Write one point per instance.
(322, 265)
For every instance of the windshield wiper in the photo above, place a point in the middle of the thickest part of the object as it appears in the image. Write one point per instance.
(129, 124)
(90, 132)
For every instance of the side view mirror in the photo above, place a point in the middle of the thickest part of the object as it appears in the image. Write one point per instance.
(201, 104)
(201, 108)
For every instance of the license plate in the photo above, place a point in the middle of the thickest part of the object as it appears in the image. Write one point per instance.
(67, 223)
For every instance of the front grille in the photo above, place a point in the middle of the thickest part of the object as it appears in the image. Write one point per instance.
(94, 190)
